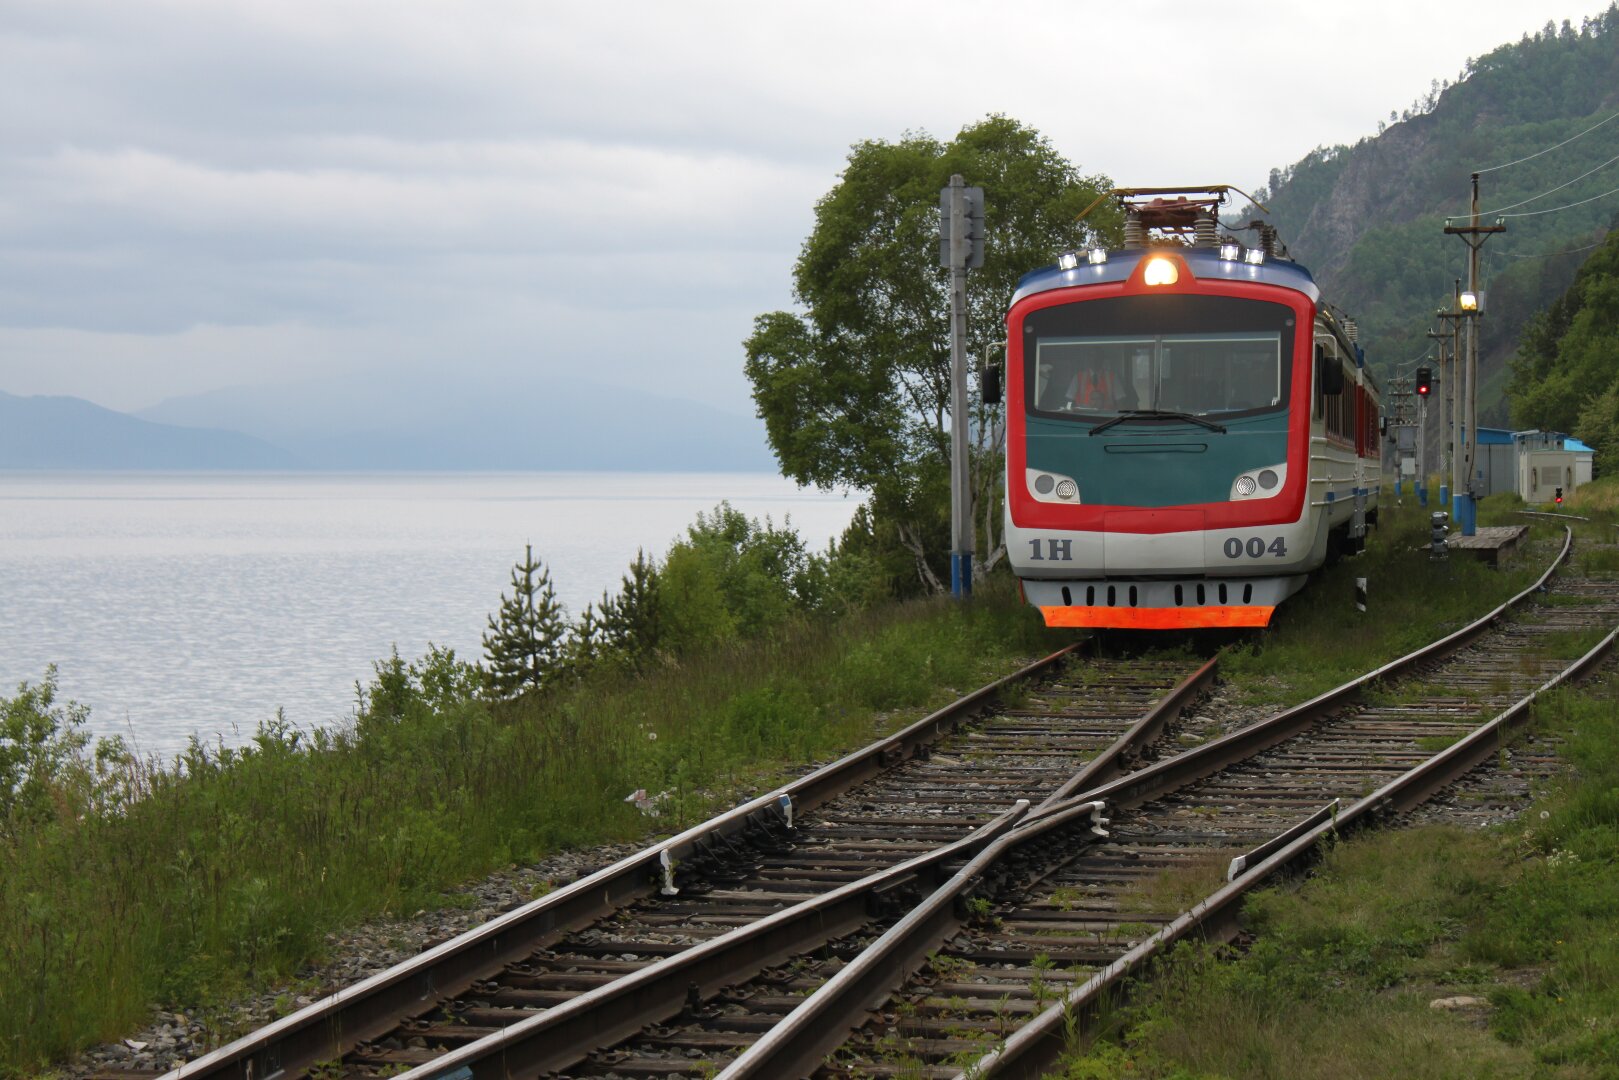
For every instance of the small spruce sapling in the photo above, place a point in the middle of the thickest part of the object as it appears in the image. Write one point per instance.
(527, 639)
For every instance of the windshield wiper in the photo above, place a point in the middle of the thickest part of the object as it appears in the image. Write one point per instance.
(1132, 414)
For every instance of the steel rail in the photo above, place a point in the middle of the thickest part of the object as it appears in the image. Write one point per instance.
(822, 1023)
(1554, 517)
(803, 1038)
(1127, 749)
(561, 1036)
(1033, 1047)
(1171, 773)
(336, 1024)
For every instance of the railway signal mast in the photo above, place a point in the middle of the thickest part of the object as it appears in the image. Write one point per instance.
(1423, 385)
(961, 245)
(1444, 440)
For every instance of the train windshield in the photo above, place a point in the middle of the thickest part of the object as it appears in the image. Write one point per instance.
(1208, 356)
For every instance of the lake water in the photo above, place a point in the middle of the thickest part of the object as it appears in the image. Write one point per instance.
(175, 604)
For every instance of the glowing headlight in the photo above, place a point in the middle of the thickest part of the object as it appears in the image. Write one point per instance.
(1160, 271)
(1469, 301)
(1067, 489)
(1246, 485)
(1097, 256)
(1067, 261)
(1255, 257)
(1230, 252)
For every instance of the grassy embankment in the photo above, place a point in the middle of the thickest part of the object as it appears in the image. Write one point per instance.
(1339, 983)
(142, 885)
(130, 885)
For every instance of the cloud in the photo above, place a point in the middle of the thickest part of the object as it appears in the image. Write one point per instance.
(207, 192)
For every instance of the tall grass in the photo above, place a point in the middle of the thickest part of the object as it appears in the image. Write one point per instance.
(192, 882)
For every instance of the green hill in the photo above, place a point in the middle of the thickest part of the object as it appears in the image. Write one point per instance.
(1368, 219)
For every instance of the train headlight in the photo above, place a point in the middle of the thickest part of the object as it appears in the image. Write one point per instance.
(1230, 252)
(1097, 256)
(1259, 483)
(1048, 487)
(1160, 271)
(1255, 256)
(1067, 261)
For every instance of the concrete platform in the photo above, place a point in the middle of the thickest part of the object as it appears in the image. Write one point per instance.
(1488, 542)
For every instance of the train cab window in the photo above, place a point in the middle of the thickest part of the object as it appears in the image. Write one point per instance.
(1186, 354)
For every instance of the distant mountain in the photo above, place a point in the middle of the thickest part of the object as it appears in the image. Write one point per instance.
(463, 422)
(1368, 219)
(71, 433)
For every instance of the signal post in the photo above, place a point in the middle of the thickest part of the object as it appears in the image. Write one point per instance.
(961, 245)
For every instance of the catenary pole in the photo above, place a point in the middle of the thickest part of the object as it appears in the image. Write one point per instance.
(1473, 235)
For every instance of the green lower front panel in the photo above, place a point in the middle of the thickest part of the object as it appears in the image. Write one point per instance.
(1150, 464)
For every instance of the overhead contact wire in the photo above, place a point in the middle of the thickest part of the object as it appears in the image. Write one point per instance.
(1548, 191)
(1553, 254)
(1548, 149)
(1569, 206)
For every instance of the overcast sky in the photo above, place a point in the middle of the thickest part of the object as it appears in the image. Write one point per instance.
(204, 193)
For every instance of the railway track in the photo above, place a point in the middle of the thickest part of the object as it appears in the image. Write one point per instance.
(918, 903)
(908, 797)
(1035, 912)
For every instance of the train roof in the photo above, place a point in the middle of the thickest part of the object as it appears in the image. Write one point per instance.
(1202, 262)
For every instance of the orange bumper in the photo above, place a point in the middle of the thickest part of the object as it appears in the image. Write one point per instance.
(1174, 618)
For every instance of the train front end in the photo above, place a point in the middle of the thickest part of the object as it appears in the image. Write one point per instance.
(1158, 437)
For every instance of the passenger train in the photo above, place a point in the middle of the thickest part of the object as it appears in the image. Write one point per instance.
(1190, 429)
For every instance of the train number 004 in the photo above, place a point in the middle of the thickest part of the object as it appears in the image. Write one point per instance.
(1254, 548)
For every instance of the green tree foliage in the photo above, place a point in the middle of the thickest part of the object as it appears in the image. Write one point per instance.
(855, 391)
(626, 628)
(1566, 374)
(526, 641)
(42, 762)
(732, 577)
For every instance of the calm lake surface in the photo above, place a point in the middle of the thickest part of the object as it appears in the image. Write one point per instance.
(186, 603)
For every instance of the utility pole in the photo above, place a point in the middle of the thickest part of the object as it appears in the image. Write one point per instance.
(1473, 235)
(1453, 426)
(961, 245)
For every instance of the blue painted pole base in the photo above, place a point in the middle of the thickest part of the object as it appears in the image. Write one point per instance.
(961, 574)
(1466, 513)
(1399, 487)
(1422, 495)
(1444, 494)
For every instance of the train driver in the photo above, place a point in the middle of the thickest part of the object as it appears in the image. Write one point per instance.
(1098, 387)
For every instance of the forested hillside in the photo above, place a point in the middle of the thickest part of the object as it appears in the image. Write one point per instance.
(1368, 219)
(1566, 374)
